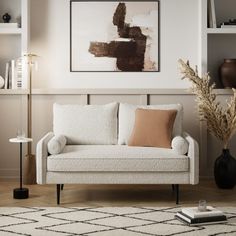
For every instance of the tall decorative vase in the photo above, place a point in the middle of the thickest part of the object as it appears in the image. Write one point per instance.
(228, 73)
(225, 170)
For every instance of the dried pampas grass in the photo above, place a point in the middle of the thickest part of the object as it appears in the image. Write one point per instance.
(221, 122)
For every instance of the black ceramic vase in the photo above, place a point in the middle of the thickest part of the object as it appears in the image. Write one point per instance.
(225, 170)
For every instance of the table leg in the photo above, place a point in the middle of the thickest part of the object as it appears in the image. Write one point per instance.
(20, 165)
(21, 193)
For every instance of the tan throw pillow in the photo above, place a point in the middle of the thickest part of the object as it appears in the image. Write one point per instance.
(152, 128)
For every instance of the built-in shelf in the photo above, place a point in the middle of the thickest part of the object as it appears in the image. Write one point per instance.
(14, 38)
(10, 30)
(221, 30)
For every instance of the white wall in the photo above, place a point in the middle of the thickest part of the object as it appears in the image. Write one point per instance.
(50, 37)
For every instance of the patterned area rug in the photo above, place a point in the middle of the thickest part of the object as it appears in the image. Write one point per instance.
(103, 221)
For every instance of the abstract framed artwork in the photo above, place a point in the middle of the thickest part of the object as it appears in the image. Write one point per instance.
(115, 36)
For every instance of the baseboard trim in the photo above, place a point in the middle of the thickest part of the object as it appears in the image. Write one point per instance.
(9, 175)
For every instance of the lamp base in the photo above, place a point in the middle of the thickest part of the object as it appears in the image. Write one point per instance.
(21, 193)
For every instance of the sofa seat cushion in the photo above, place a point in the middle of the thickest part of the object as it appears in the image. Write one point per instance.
(107, 158)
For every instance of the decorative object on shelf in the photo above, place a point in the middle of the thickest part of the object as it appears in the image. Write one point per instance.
(230, 24)
(30, 161)
(6, 18)
(6, 86)
(2, 82)
(221, 122)
(228, 73)
(127, 40)
(21, 193)
(14, 75)
(211, 14)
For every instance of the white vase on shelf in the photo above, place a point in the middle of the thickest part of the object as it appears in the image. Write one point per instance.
(2, 82)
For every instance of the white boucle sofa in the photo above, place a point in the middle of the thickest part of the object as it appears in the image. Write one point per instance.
(96, 150)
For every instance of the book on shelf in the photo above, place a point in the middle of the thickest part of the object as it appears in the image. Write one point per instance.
(18, 73)
(6, 86)
(193, 212)
(200, 221)
(9, 25)
(13, 74)
(212, 14)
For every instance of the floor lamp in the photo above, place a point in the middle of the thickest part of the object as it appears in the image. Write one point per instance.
(30, 160)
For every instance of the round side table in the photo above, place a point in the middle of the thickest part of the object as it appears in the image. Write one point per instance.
(20, 193)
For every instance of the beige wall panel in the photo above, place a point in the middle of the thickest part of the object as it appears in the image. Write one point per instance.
(11, 119)
(103, 99)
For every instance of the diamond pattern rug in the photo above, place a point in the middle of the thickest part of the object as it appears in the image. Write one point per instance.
(105, 221)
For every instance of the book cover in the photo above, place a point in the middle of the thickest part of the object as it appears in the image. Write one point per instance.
(6, 86)
(182, 219)
(13, 75)
(213, 13)
(24, 72)
(193, 212)
(18, 72)
(201, 220)
(210, 22)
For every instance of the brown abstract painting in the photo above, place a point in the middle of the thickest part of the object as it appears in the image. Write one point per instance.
(120, 36)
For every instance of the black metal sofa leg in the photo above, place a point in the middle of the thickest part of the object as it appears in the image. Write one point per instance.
(62, 186)
(58, 193)
(177, 193)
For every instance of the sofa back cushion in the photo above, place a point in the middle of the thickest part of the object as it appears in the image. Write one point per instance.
(86, 124)
(127, 119)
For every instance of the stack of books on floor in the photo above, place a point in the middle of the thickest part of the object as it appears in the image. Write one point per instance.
(192, 216)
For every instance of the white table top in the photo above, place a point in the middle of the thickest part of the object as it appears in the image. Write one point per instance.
(20, 140)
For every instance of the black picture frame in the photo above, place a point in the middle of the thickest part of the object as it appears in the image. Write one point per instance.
(72, 69)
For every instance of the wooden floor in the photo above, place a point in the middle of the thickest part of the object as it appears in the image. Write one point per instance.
(118, 195)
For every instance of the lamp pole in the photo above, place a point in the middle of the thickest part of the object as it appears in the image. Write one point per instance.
(30, 173)
(29, 112)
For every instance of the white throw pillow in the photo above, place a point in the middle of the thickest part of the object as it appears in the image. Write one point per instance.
(56, 144)
(127, 119)
(179, 145)
(86, 124)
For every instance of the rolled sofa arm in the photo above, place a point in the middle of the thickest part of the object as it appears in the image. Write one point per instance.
(193, 154)
(41, 157)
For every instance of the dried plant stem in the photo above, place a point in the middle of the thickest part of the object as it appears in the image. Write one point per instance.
(221, 122)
